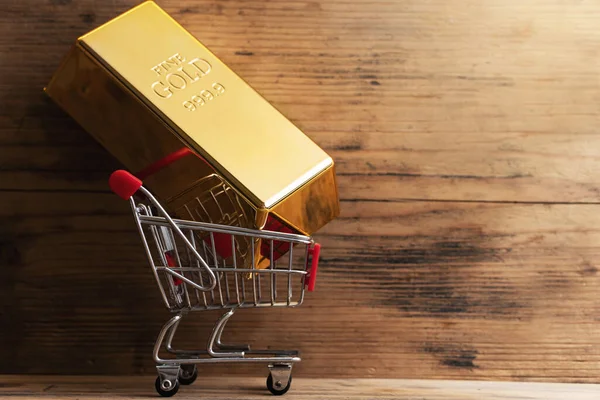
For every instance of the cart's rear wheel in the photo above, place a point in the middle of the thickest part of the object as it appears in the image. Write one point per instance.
(276, 387)
(167, 388)
(188, 374)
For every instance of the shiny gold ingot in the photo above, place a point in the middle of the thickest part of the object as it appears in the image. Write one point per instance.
(144, 87)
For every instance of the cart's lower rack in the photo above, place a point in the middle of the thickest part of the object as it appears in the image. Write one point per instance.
(181, 368)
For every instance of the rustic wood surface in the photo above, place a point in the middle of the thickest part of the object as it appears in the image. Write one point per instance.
(466, 136)
(68, 387)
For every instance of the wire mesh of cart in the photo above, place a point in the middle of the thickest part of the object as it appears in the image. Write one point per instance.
(193, 275)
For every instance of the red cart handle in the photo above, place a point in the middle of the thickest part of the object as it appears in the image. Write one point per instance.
(311, 277)
(125, 184)
(163, 162)
(166, 161)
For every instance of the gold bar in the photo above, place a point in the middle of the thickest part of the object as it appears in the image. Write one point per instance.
(144, 87)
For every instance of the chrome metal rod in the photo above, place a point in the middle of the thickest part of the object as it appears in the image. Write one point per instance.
(170, 336)
(161, 336)
(216, 333)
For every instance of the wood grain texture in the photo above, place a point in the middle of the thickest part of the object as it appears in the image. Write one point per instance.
(68, 387)
(466, 138)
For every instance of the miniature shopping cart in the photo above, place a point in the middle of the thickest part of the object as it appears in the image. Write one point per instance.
(193, 275)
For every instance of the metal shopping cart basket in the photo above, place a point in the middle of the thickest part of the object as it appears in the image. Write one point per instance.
(193, 276)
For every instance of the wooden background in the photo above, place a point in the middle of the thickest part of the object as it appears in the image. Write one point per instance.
(467, 138)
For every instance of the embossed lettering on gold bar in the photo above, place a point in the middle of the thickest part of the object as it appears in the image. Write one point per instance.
(205, 95)
(176, 73)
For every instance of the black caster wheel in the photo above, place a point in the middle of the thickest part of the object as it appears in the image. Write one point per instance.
(276, 388)
(188, 374)
(169, 390)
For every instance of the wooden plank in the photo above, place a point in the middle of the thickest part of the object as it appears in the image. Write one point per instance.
(68, 387)
(467, 154)
(450, 290)
(414, 106)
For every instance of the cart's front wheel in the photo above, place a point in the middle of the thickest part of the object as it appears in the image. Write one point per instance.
(277, 388)
(167, 388)
(188, 374)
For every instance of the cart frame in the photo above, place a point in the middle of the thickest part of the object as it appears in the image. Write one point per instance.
(189, 271)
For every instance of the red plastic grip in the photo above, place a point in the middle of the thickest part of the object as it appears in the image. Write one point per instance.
(311, 277)
(124, 184)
